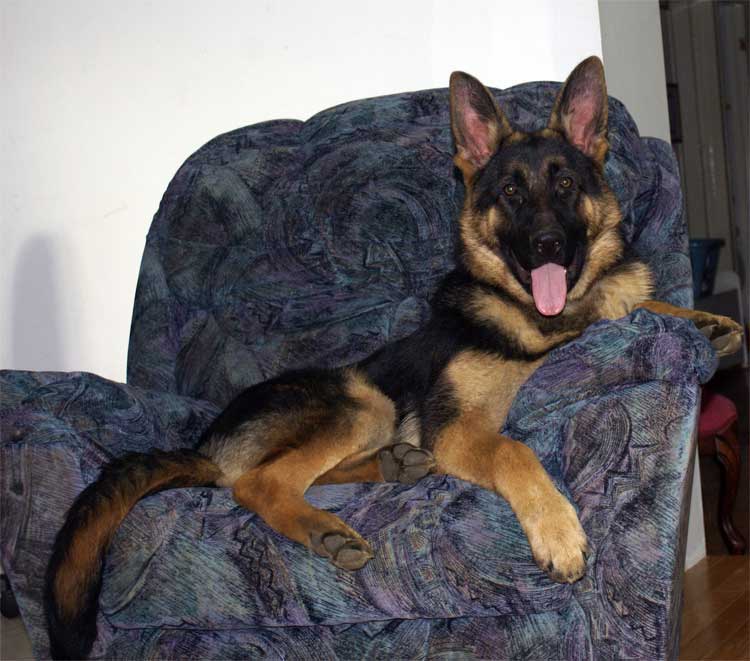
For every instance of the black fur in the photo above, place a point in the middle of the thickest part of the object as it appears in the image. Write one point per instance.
(289, 392)
(532, 150)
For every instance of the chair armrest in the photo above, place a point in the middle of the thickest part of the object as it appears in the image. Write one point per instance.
(57, 431)
(624, 398)
(95, 419)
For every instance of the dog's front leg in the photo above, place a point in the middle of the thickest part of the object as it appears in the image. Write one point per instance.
(511, 469)
(725, 333)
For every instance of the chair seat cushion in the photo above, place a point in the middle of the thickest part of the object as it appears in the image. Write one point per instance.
(443, 548)
(718, 413)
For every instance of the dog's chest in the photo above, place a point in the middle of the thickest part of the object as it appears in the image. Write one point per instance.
(484, 385)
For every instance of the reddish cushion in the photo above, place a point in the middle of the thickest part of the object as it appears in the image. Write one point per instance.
(717, 414)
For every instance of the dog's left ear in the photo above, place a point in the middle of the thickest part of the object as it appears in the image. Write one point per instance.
(581, 109)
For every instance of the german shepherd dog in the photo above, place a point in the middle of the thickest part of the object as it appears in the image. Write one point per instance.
(540, 258)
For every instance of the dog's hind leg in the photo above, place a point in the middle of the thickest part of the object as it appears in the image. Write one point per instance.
(275, 488)
(366, 471)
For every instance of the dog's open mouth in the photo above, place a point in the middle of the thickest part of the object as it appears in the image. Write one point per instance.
(548, 283)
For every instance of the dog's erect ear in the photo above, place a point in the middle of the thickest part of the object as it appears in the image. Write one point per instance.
(479, 126)
(581, 107)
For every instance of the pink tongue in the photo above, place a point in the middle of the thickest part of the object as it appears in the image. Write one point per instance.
(549, 288)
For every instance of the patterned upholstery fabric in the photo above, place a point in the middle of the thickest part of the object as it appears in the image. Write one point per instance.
(290, 243)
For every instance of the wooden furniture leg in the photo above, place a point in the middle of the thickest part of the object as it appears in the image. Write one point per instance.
(728, 456)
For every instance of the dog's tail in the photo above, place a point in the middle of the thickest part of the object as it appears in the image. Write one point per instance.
(73, 576)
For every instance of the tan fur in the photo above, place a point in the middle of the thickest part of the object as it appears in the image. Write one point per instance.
(484, 386)
(600, 213)
(480, 251)
(549, 133)
(600, 151)
(471, 448)
(514, 138)
(83, 554)
(363, 431)
(257, 438)
(465, 165)
(344, 473)
(605, 243)
(467, 449)
(621, 292)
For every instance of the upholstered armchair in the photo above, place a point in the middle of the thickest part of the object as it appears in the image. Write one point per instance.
(292, 243)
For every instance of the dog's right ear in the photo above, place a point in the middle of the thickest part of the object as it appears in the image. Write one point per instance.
(478, 124)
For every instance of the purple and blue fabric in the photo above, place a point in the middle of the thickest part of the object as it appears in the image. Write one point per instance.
(292, 243)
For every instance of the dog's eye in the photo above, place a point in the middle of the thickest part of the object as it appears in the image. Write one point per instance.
(510, 189)
(566, 182)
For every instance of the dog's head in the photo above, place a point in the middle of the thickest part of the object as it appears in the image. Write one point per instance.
(539, 221)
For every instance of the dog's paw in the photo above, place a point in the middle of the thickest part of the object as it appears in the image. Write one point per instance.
(558, 542)
(344, 550)
(405, 463)
(331, 538)
(725, 333)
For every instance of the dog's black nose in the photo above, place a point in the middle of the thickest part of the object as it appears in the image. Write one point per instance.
(548, 246)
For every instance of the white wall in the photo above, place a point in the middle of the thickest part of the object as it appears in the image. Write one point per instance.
(102, 101)
(634, 61)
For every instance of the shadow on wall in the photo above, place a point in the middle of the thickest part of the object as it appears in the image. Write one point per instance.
(36, 339)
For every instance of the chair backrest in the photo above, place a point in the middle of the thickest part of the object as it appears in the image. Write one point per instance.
(291, 243)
